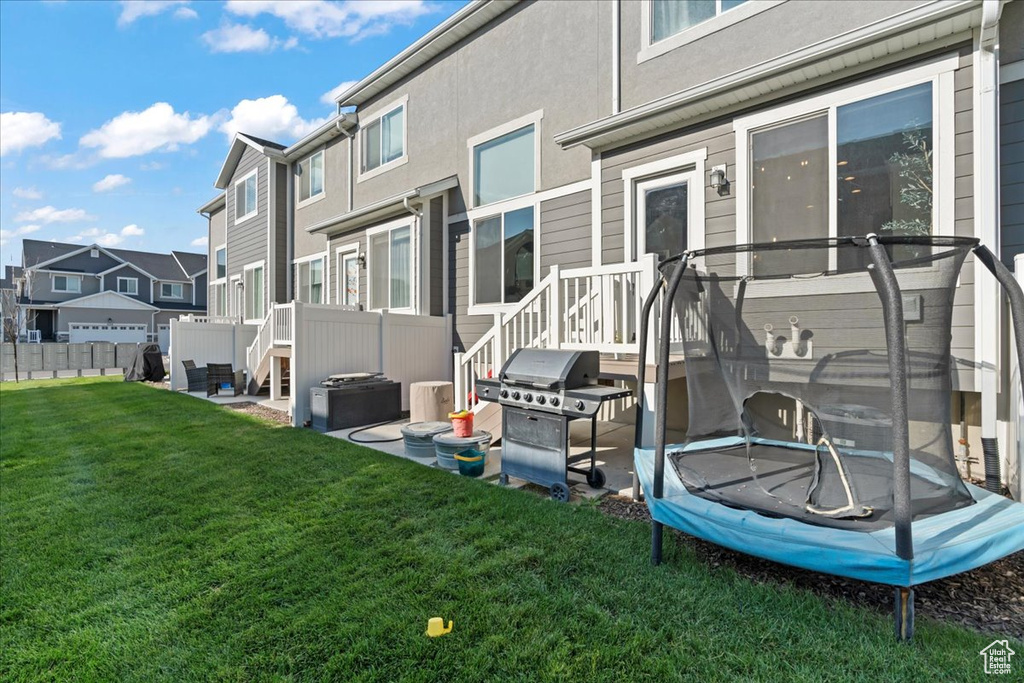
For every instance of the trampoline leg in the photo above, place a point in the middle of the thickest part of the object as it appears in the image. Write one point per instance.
(903, 614)
(656, 528)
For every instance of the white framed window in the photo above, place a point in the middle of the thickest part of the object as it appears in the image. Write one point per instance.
(876, 157)
(504, 257)
(309, 279)
(254, 292)
(128, 285)
(504, 162)
(171, 290)
(246, 196)
(348, 266)
(390, 266)
(668, 24)
(68, 284)
(664, 205)
(310, 172)
(220, 299)
(221, 259)
(382, 140)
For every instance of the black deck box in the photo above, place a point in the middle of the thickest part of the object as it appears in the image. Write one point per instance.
(354, 406)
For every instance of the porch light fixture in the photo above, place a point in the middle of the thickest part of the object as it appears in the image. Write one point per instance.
(718, 180)
(361, 259)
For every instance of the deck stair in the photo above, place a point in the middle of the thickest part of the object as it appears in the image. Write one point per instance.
(273, 340)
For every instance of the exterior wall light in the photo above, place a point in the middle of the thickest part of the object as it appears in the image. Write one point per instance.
(718, 180)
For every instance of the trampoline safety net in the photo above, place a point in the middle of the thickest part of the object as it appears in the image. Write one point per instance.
(789, 383)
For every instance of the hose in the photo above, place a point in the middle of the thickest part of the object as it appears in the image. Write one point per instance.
(379, 424)
(990, 449)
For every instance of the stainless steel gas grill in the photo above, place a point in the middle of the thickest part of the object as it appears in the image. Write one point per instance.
(541, 391)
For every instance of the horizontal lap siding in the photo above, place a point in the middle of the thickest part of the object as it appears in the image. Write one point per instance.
(1011, 164)
(247, 241)
(565, 232)
(467, 329)
(281, 265)
(962, 345)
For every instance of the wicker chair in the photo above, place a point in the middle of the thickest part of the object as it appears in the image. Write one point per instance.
(196, 376)
(222, 373)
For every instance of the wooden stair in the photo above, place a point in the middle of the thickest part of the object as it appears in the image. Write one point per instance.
(261, 377)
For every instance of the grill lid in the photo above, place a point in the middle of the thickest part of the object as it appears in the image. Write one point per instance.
(551, 369)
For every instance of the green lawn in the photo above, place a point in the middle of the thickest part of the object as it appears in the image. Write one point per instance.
(151, 536)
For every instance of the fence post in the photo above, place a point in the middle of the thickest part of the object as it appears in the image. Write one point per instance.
(295, 365)
(458, 379)
(555, 309)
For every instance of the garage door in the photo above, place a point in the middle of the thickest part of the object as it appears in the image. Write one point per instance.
(163, 337)
(95, 332)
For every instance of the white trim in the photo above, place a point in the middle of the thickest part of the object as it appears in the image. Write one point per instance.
(67, 279)
(521, 201)
(535, 119)
(128, 279)
(128, 264)
(340, 252)
(232, 297)
(217, 248)
(262, 265)
(378, 114)
(616, 56)
(313, 198)
(722, 19)
(939, 72)
(596, 222)
(134, 304)
(410, 222)
(497, 308)
(172, 285)
(270, 272)
(1014, 71)
(241, 219)
(324, 257)
(681, 164)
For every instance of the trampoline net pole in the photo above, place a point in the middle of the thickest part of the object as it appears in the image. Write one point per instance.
(1013, 293)
(661, 392)
(641, 370)
(892, 305)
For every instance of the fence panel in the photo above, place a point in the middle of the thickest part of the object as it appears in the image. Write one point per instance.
(55, 356)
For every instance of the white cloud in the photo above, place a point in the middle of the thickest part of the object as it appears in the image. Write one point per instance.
(132, 231)
(74, 161)
(200, 241)
(20, 130)
(157, 128)
(107, 239)
(185, 13)
(49, 214)
(110, 182)
(152, 166)
(136, 9)
(332, 94)
(273, 118)
(239, 38)
(19, 232)
(322, 19)
(27, 193)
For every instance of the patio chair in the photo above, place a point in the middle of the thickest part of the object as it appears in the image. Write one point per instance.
(219, 374)
(196, 376)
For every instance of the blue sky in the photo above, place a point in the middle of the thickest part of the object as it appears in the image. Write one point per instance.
(115, 117)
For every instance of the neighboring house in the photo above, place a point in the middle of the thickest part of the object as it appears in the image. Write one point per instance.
(529, 152)
(93, 293)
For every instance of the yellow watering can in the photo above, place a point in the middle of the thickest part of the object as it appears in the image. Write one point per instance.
(435, 627)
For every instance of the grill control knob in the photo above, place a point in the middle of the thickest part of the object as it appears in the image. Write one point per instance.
(554, 401)
(541, 400)
(515, 395)
(528, 397)
(579, 404)
(504, 393)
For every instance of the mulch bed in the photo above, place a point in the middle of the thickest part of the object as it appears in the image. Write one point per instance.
(251, 408)
(989, 599)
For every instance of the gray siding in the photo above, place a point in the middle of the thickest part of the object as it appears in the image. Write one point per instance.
(186, 293)
(247, 241)
(467, 329)
(84, 263)
(1011, 28)
(345, 239)
(42, 289)
(281, 265)
(1011, 168)
(201, 290)
(435, 254)
(127, 271)
(217, 237)
(565, 233)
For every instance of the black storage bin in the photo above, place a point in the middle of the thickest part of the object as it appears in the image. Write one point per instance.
(354, 406)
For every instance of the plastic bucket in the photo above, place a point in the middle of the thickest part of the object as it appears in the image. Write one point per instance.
(462, 423)
(471, 462)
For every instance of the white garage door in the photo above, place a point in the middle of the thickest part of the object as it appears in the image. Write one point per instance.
(163, 337)
(96, 332)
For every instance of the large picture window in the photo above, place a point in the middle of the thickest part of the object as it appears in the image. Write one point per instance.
(383, 139)
(311, 176)
(505, 166)
(245, 197)
(391, 268)
(254, 295)
(311, 281)
(504, 256)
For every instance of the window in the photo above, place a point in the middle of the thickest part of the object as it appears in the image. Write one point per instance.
(245, 197)
(871, 158)
(348, 275)
(505, 166)
(128, 285)
(70, 284)
(171, 290)
(383, 139)
(311, 176)
(504, 257)
(310, 275)
(222, 262)
(220, 299)
(669, 17)
(391, 268)
(254, 296)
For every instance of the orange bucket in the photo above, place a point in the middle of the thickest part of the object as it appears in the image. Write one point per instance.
(462, 423)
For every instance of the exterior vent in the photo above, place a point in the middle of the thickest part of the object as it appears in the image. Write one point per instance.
(95, 253)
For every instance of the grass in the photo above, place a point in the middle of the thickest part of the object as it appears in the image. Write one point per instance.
(151, 536)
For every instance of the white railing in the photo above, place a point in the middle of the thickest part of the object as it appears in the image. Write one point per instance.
(282, 320)
(224, 319)
(276, 328)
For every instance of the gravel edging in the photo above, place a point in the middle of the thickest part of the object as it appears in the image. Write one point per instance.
(989, 599)
(262, 412)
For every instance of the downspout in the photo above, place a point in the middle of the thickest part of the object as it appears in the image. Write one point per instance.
(616, 56)
(987, 302)
(417, 257)
(289, 203)
(350, 135)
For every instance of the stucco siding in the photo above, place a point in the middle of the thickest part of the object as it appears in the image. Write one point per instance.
(333, 202)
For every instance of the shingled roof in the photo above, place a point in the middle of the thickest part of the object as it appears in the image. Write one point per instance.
(178, 265)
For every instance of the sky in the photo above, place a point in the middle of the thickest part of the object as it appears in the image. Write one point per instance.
(116, 117)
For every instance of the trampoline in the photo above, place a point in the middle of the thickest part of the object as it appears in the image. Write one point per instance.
(819, 385)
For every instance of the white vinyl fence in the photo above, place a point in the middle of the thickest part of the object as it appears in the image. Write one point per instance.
(204, 343)
(1014, 459)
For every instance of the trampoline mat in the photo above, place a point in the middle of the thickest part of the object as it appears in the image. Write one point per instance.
(784, 474)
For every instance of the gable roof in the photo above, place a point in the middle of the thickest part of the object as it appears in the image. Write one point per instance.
(106, 299)
(192, 264)
(160, 266)
(238, 145)
(37, 252)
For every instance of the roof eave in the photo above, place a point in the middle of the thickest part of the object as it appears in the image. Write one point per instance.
(395, 204)
(213, 204)
(338, 125)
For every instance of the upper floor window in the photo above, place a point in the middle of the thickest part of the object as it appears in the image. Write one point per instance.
(128, 285)
(311, 176)
(71, 284)
(669, 17)
(504, 163)
(383, 139)
(245, 197)
(171, 290)
(222, 262)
